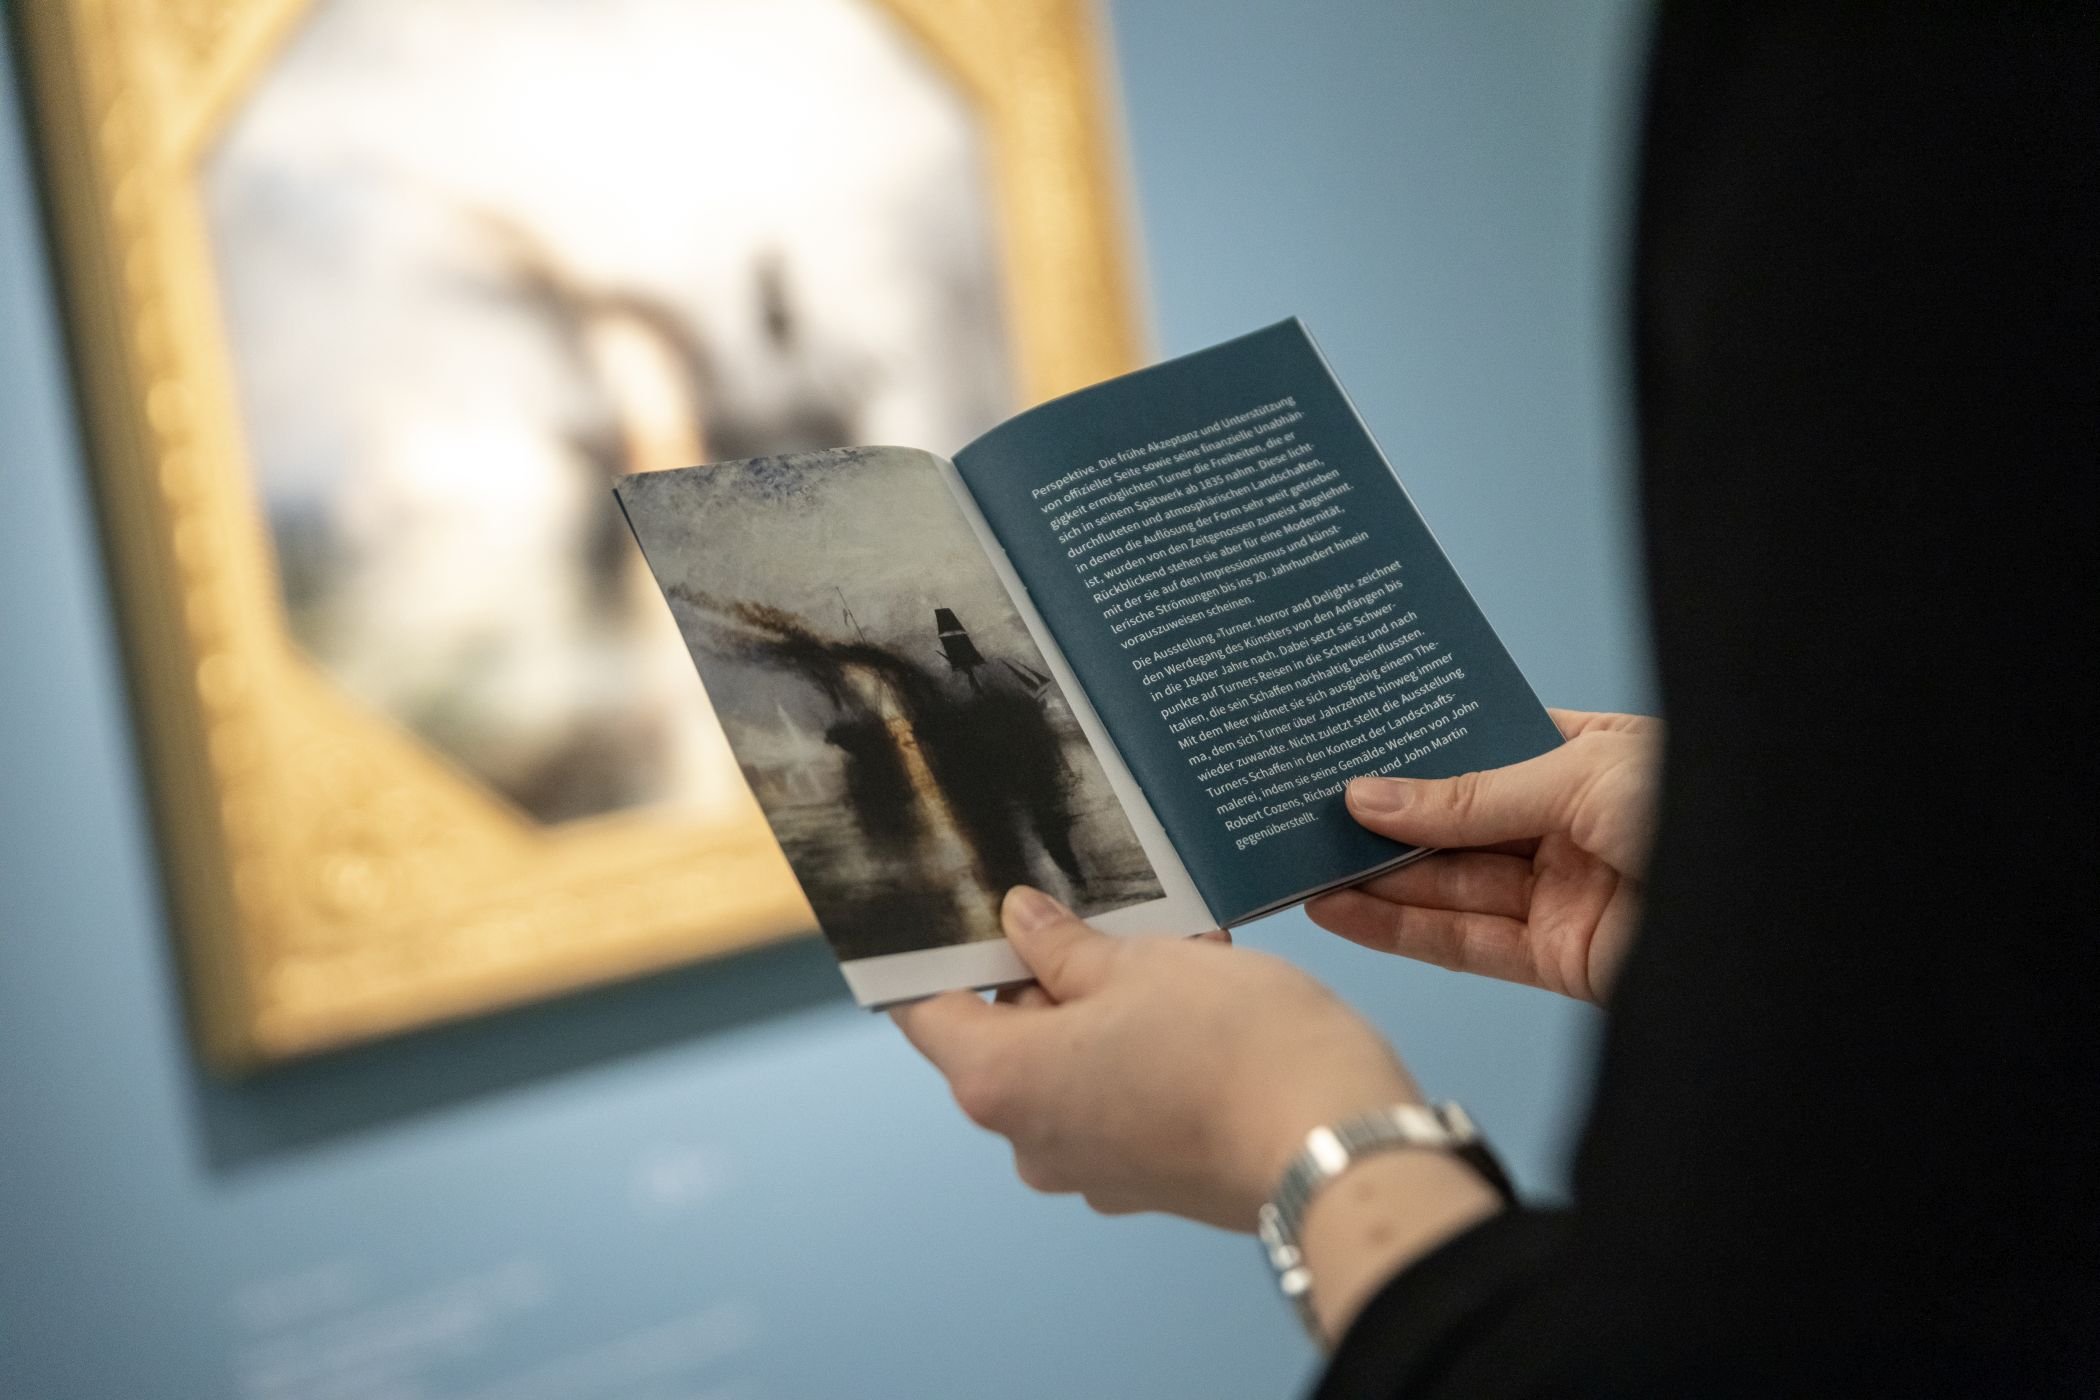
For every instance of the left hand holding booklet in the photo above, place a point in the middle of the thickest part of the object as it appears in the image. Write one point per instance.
(1128, 647)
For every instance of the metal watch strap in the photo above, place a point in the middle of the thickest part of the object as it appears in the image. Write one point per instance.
(1330, 1150)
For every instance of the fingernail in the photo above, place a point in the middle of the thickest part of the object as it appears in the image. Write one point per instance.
(1379, 795)
(1027, 909)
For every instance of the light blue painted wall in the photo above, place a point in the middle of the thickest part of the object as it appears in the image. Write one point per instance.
(725, 1182)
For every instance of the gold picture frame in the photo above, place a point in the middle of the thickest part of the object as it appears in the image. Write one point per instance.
(332, 880)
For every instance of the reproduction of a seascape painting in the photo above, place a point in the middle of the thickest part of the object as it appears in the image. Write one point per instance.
(371, 301)
(509, 320)
(883, 697)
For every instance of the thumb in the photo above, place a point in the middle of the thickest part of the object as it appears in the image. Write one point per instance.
(1068, 958)
(1524, 800)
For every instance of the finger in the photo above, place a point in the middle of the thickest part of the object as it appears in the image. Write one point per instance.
(1487, 944)
(1023, 994)
(1214, 935)
(1527, 847)
(1112, 1202)
(1038, 1173)
(954, 1029)
(1499, 804)
(1574, 722)
(1068, 958)
(1460, 880)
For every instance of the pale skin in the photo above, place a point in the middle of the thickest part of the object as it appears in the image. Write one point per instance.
(1181, 1075)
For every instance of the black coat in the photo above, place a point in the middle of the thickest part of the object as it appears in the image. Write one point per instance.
(1844, 1136)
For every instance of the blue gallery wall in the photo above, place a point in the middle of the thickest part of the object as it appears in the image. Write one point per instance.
(726, 1182)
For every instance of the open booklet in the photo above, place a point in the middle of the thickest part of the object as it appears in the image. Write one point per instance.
(1128, 647)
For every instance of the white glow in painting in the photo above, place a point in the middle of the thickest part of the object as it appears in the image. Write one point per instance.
(478, 259)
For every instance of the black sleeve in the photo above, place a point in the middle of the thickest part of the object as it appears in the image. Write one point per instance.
(1846, 1133)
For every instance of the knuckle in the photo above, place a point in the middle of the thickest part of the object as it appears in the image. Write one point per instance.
(1462, 795)
(1037, 1175)
(1084, 956)
(1590, 753)
(984, 1098)
(1466, 885)
(1064, 963)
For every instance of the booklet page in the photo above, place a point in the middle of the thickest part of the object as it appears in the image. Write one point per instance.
(1253, 605)
(888, 707)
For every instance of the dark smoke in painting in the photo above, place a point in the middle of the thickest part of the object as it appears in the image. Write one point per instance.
(913, 768)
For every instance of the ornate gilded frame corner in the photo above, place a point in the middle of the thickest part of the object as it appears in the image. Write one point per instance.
(331, 880)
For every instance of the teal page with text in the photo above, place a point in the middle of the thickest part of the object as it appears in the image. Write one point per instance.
(1255, 607)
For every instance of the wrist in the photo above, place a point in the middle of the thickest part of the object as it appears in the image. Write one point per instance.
(1380, 1215)
(1387, 1185)
(1279, 1132)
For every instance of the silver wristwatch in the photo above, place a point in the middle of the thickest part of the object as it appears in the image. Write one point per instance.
(1329, 1151)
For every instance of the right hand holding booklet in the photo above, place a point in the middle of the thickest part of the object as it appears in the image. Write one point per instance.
(1129, 647)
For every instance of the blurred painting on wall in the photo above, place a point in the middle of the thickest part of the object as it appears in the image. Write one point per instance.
(475, 253)
(374, 301)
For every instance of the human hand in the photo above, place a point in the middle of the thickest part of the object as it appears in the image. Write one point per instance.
(1177, 1075)
(1539, 873)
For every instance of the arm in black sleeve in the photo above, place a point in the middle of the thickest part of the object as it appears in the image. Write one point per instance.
(1844, 1137)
